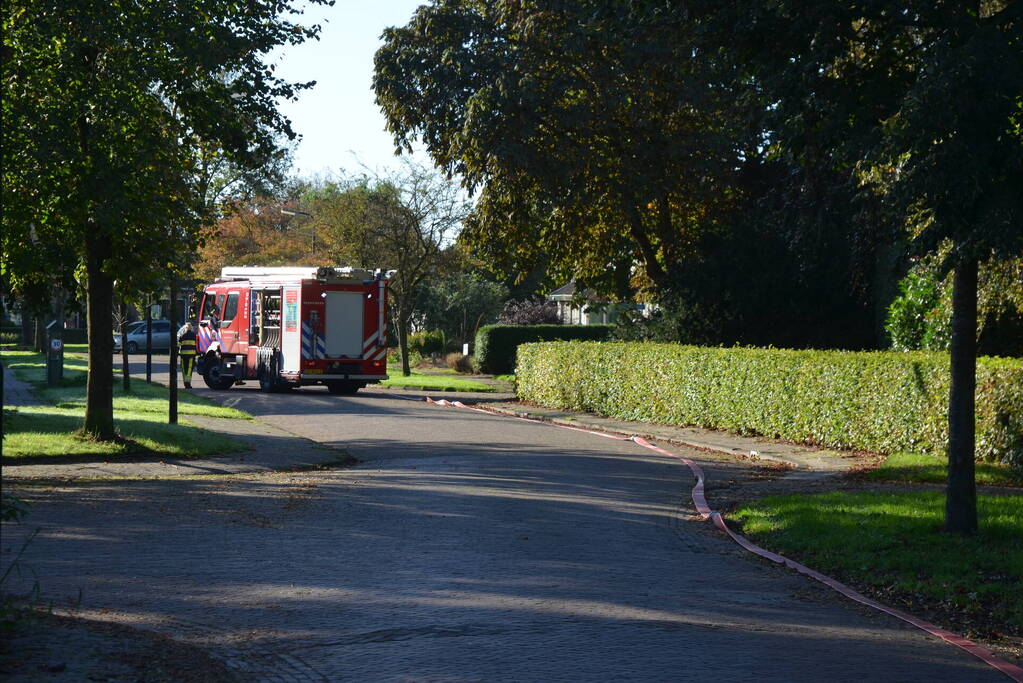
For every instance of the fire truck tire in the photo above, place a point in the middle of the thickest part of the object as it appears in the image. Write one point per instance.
(343, 387)
(213, 378)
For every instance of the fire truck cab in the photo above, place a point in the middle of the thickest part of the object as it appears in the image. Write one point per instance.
(288, 327)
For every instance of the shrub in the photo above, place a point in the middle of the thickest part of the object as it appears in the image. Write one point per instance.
(920, 317)
(529, 312)
(459, 362)
(496, 344)
(75, 336)
(426, 343)
(878, 401)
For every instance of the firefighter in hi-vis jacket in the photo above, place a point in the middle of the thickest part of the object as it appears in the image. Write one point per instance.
(186, 349)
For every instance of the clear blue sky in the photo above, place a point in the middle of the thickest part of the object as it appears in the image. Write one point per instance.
(337, 119)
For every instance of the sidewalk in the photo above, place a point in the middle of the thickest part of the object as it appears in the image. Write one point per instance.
(16, 392)
(806, 463)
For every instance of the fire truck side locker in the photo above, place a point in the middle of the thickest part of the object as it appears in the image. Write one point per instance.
(291, 339)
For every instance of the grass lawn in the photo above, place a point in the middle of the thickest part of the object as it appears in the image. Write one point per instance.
(140, 417)
(49, 431)
(396, 369)
(144, 397)
(914, 467)
(435, 382)
(891, 543)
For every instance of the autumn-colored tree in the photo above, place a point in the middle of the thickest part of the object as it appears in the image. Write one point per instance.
(256, 233)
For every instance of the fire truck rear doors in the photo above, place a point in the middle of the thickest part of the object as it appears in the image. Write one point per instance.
(343, 326)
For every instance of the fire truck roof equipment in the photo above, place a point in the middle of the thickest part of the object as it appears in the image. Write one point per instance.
(322, 273)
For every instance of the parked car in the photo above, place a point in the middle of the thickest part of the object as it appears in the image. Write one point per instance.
(137, 336)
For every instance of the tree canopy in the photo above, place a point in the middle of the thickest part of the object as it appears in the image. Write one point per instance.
(594, 136)
(106, 106)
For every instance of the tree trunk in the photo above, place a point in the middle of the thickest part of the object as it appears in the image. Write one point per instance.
(172, 386)
(961, 489)
(406, 368)
(27, 328)
(125, 368)
(651, 265)
(99, 397)
(39, 343)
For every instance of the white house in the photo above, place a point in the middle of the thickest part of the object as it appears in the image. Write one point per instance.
(583, 309)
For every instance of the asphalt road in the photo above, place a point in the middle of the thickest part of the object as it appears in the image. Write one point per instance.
(464, 547)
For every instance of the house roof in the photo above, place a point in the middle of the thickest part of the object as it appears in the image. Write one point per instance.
(568, 292)
(565, 290)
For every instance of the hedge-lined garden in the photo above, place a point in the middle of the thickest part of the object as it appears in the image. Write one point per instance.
(877, 401)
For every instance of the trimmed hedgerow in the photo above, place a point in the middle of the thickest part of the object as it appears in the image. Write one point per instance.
(877, 401)
(496, 344)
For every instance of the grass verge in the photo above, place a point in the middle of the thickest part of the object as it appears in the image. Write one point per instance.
(915, 467)
(43, 431)
(436, 383)
(891, 545)
(144, 397)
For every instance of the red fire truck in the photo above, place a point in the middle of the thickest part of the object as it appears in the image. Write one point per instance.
(288, 327)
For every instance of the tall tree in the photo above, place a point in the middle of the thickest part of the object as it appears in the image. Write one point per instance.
(921, 103)
(402, 221)
(596, 135)
(110, 99)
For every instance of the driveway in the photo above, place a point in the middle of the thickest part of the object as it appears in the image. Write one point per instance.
(465, 546)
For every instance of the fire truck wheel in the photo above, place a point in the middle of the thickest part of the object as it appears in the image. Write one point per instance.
(213, 378)
(344, 388)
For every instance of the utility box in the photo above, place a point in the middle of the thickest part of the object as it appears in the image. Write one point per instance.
(54, 355)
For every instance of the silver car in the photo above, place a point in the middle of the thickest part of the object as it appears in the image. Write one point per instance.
(137, 336)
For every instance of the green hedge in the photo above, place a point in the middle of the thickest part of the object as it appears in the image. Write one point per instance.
(76, 336)
(496, 344)
(12, 335)
(877, 401)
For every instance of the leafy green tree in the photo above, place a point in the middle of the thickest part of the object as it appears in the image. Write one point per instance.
(920, 104)
(458, 303)
(595, 137)
(105, 106)
(921, 316)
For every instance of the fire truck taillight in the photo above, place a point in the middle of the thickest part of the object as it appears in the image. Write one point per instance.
(378, 363)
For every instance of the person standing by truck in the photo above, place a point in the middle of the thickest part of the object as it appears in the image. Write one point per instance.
(186, 350)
